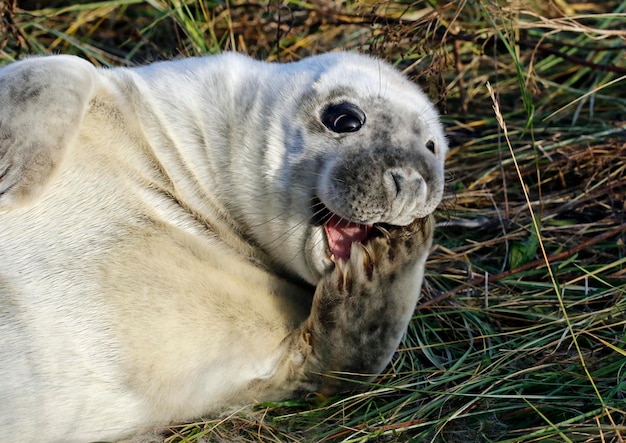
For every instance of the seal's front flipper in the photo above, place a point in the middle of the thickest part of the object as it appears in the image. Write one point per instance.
(42, 104)
(360, 313)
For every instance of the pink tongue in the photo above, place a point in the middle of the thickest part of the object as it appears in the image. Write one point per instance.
(342, 233)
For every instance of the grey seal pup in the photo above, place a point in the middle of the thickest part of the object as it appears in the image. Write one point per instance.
(195, 234)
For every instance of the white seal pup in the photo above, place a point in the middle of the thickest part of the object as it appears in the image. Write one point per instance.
(196, 234)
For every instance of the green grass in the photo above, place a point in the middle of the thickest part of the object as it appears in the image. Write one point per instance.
(520, 335)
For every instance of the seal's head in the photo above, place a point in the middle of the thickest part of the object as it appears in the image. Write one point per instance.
(360, 145)
(380, 154)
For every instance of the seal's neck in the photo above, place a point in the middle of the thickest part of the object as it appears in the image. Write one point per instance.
(201, 146)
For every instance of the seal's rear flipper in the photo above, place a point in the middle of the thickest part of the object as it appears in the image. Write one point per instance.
(42, 104)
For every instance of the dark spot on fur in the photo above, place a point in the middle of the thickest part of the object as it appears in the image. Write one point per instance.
(373, 329)
(392, 254)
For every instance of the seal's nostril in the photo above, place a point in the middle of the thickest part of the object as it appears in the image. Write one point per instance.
(398, 180)
(402, 182)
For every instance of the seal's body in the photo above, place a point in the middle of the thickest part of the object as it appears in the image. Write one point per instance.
(195, 234)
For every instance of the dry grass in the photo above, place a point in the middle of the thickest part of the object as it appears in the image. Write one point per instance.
(520, 336)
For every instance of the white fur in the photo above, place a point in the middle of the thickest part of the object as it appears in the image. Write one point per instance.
(153, 270)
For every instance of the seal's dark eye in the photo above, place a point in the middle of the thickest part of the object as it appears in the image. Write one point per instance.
(343, 117)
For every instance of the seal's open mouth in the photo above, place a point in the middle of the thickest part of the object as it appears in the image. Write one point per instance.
(341, 233)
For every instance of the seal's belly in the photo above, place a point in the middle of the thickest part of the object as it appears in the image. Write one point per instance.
(135, 303)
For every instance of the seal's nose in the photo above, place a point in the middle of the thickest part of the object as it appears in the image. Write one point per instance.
(405, 190)
(403, 182)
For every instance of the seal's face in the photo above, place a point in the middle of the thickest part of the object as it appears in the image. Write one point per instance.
(379, 152)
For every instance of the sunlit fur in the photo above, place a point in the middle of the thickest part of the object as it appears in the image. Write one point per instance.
(159, 256)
